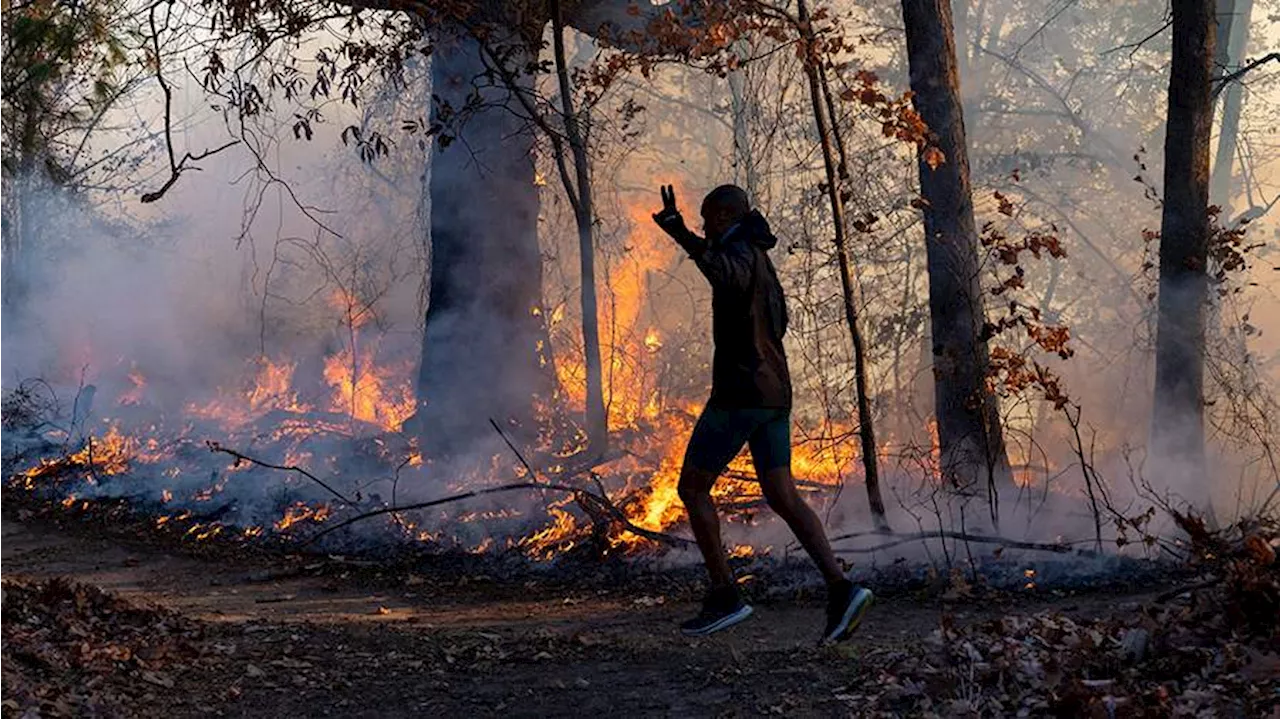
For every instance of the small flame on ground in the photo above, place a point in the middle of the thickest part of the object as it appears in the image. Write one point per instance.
(133, 395)
(302, 512)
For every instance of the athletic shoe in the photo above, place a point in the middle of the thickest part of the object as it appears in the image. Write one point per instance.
(721, 609)
(846, 605)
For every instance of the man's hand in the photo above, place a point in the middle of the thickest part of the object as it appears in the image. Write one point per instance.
(669, 219)
(672, 223)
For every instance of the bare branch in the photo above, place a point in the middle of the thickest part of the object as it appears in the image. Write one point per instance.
(1225, 80)
(897, 539)
(215, 447)
(176, 168)
(1134, 47)
(622, 24)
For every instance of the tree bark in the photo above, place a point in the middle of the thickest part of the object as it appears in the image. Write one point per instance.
(970, 437)
(480, 350)
(1233, 30)
(480, 353)
(580, 196)
(1178, 407)
(820, 97)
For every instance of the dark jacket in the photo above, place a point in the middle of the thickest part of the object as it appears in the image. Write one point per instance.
(749, 315)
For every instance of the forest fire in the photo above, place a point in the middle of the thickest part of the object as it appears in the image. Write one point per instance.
(650, 408)
(387, 329)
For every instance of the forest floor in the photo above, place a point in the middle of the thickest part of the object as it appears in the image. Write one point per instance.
(101, 624)
(332, 645)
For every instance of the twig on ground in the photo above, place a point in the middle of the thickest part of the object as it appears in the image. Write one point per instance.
(1188, 588)
(898, 539)
(216, 447)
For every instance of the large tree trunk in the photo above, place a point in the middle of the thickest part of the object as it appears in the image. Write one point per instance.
(1233, 33)
(481, 348)
(1178, 408)
(484, 350)
(969, 433)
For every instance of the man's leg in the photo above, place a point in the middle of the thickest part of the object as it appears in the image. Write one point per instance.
(771, 452)
(716, 440)
(779, 490)
(695, 491)
(718, 436)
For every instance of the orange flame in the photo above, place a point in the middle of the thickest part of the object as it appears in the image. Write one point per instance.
(366, 392)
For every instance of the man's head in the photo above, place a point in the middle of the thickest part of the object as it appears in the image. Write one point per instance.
(722, 208)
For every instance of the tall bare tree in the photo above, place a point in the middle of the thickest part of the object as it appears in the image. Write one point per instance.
(836, 165)
(580, 197)
(969, 431)
(1178, 407)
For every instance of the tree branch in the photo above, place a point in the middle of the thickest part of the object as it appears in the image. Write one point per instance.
(620, 24)
(643, 28)
(215, 447)
(176, 168)
(1057, 548)
(1225, 80)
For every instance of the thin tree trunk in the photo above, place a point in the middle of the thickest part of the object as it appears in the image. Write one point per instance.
(580, 198)
(1178, 408)
(1233, 31)
(969, 431)
(835, 186)
(743, 109)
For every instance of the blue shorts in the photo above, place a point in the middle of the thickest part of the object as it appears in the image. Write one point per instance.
(720, 433)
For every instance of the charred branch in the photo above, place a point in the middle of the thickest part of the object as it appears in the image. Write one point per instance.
(216, 447)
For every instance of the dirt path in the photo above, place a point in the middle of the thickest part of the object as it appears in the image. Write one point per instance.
(347, 643)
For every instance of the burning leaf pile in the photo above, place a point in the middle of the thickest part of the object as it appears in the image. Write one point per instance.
(74, 650)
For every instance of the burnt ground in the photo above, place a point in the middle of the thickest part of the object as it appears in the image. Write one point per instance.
(278, 635)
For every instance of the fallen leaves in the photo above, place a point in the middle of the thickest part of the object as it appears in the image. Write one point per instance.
(72, 649)
(1205, 654)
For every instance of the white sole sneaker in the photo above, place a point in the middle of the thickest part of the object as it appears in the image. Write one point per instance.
(853, 615)
(724, 622)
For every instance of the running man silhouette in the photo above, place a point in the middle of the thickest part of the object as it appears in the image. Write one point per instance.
(750, 404)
